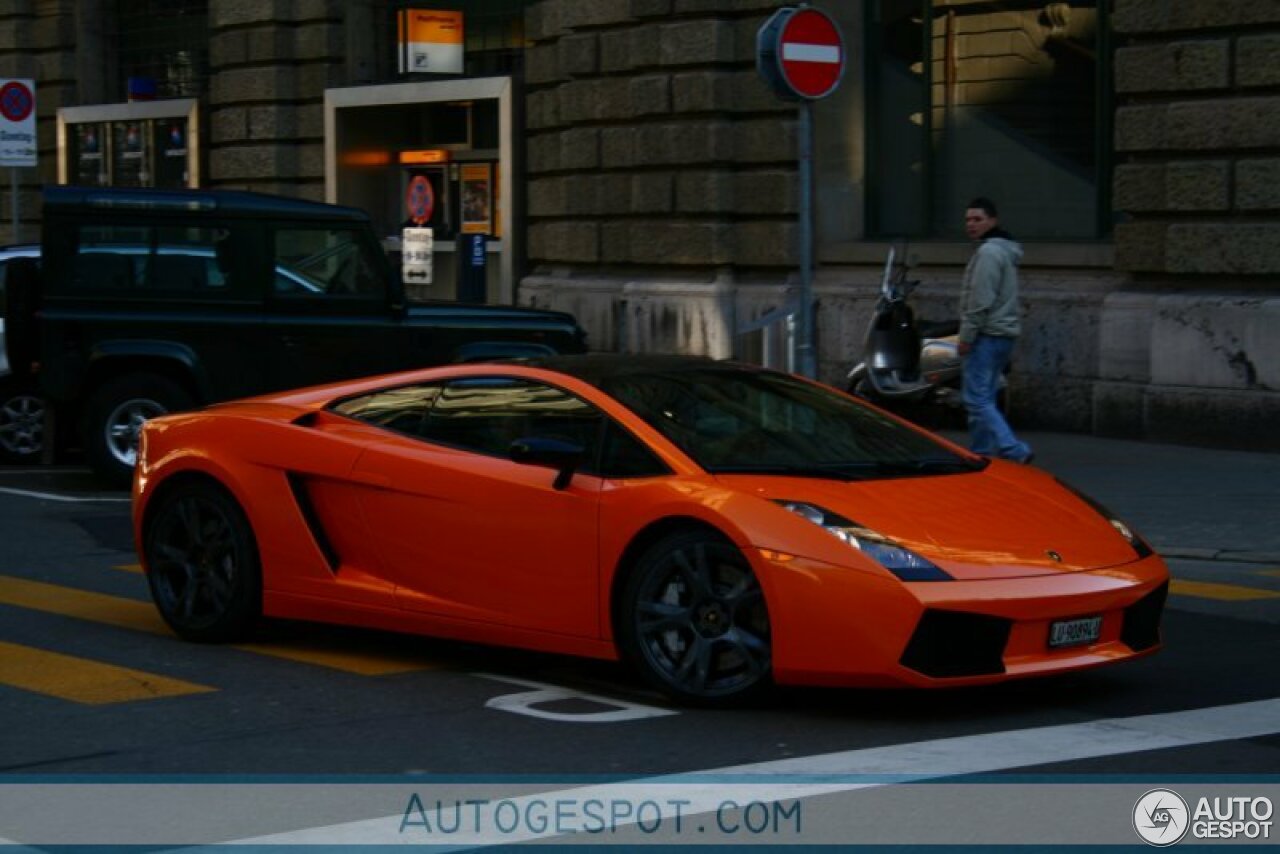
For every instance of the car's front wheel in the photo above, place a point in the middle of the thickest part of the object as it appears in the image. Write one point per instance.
(693, 620)
(114, 417)
(202, 563)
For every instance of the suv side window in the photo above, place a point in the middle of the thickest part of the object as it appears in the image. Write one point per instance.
(146, 261)
(326, 262)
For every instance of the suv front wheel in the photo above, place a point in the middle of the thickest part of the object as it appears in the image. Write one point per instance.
(114, 417)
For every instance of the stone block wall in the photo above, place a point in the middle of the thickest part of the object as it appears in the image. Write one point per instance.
(659, 165)
(1187, 355)
(270, 62)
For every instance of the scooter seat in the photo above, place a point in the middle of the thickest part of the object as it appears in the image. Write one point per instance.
(937, 328)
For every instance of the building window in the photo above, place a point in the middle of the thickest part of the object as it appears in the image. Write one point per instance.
(165, 42)
(1001, 99)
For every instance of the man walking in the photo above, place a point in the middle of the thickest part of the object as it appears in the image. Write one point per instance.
(989, 327)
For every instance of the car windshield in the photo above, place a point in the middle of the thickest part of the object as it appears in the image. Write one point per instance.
(731, 420)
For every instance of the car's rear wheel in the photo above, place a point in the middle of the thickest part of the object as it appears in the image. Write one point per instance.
(115, 414)
(202, 563)
(21, 423)
(693, 620)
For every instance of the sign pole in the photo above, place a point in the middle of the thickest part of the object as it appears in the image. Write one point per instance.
(13, 199)
(800, 55)
(807, 364)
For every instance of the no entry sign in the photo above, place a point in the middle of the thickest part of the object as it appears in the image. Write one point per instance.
(800, 53)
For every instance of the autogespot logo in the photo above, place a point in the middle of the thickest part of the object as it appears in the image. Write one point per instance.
(1160, 817)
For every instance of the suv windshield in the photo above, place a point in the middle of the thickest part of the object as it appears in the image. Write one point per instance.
(732, 420)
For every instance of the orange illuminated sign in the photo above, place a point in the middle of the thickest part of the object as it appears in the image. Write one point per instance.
(426, 155)
(366, 158)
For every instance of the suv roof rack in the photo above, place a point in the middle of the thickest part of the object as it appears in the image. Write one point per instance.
(235, 202)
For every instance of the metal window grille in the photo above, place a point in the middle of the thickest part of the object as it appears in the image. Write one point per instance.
(166, 41)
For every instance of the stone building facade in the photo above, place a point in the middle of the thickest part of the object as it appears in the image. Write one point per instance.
(659, 193)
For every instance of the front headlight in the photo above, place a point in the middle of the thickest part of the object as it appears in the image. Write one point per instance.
(901, 561)
(1139, 545)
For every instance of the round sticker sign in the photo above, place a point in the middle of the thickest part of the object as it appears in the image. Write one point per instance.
(16, 101)
(420, 200)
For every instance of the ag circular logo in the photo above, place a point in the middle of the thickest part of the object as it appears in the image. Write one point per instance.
(1160, 817)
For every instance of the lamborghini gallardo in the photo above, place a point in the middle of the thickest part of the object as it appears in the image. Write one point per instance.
(718, 526)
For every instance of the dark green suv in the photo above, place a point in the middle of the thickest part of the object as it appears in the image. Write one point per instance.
(151, 301)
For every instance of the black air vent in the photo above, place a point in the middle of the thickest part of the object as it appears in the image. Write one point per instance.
(1141, 628)
(953, 643)
(308, 510)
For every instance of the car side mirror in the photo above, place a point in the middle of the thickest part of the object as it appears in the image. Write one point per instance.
(558, 454)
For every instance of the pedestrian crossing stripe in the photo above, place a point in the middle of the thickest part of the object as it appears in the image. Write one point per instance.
(142, 616)
(1220, 592)
(81, 680)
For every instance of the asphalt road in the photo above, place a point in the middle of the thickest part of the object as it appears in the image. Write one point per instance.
(92, 684)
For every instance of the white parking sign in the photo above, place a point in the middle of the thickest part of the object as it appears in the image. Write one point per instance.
(416, 248)
(17, 123)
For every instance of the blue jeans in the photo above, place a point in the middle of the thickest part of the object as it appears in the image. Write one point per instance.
(988, 431)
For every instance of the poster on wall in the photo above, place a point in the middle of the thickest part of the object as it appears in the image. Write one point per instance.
(477, 198)
(90, 161)
(429, 41)
(129, 155)
(171, 152)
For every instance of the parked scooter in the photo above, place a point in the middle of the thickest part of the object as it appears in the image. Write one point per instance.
(908, 363)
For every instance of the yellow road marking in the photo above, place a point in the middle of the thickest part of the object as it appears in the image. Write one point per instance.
(1221, 592)
(1274, 573)
(130, 567)
(143, 617)
(83, 681)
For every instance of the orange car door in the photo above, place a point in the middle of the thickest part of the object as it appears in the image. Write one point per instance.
(465, 532)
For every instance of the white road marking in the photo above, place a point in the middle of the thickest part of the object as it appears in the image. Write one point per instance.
(69, 499)
(797, 52)
(526, 703)
(944, 757)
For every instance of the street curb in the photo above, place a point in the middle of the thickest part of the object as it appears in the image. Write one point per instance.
(1225, 555)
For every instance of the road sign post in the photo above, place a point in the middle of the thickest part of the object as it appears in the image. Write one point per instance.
(800, 55)
(17, 136)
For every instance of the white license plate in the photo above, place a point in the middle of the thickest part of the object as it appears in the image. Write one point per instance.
(1075, 632)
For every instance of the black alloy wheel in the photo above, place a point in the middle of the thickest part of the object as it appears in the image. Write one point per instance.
(202, 563)
(693, 620)
(22, 416)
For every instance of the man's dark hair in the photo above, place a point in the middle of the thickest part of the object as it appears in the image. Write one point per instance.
(987, 206)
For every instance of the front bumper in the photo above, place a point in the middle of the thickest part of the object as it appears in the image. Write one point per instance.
(839, 626)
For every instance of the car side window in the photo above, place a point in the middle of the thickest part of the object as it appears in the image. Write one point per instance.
(403, 410)
(625, 456)
(487, 414)
(332, 263)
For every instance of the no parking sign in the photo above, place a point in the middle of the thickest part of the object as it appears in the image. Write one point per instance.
(17, 123)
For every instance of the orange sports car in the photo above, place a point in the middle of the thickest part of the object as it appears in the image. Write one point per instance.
(719, 526)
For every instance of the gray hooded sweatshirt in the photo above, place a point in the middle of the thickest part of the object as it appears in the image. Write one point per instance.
(989, 292)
